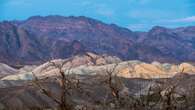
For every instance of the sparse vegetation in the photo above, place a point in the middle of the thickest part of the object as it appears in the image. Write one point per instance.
(160, 95)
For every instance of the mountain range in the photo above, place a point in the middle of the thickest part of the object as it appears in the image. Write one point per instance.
(39, 39)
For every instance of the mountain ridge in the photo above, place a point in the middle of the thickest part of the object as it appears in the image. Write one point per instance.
(38, 39)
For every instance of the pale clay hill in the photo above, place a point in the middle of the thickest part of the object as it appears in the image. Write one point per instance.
(92, 64)
(6, 70)
(18, 92)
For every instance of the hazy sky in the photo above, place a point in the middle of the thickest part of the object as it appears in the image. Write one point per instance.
(133, 14)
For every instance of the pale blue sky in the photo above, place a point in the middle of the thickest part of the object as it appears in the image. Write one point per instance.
(133, 14)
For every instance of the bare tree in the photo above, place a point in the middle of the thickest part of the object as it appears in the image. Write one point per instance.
(67, 83)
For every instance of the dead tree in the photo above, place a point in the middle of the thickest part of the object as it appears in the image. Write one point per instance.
(114, 85)
(67, 83)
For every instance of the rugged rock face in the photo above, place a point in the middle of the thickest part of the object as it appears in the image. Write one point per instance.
(171, 44)
(39, 39)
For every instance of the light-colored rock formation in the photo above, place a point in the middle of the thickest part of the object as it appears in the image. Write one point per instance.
(187, 68)
(91, 64)
(22, 76)
(6, 70)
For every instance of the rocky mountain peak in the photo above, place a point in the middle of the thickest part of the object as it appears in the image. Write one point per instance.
(158, 30)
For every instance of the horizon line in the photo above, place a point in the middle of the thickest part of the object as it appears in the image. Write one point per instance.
(91, 18)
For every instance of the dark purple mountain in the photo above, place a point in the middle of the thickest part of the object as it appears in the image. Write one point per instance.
(38, 39)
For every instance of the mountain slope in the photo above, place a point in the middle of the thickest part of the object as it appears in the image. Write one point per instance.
(39, 39)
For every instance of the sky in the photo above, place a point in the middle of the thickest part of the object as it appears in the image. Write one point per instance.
(137, 15)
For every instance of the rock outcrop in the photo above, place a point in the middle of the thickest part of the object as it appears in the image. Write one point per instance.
(92, 64)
